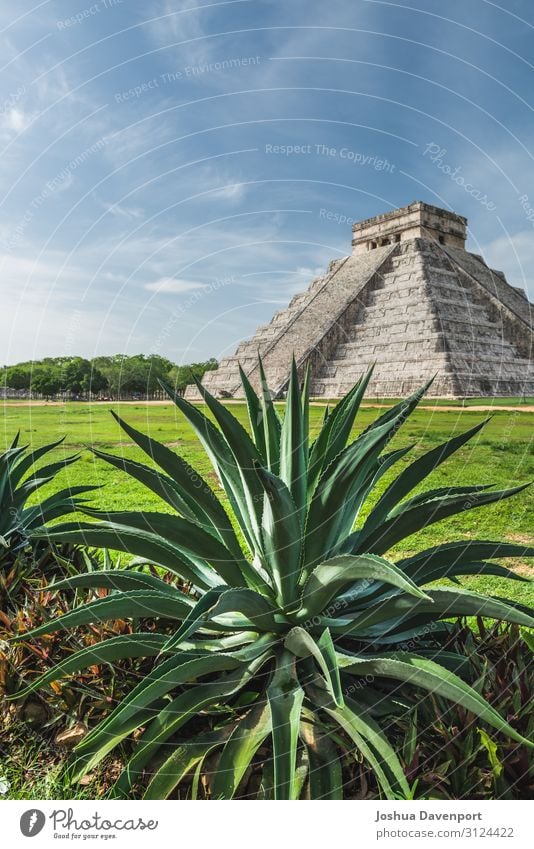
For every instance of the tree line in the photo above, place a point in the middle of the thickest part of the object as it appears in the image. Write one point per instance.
(114, 377)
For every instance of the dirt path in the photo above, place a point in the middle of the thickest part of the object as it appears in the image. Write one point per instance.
(475, 408)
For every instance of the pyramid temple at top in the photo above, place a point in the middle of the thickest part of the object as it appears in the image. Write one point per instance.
(411, 300)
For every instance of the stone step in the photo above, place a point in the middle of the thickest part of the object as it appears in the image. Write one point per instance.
(467, 329)
(397, 386)
(441, 291)
(417, 296)
(404, 364)
(505, 385)
(399, 343)
(416, 308)
(482, 348)
(496, 367)
(391, 311)
(415, 321)
(462, 334)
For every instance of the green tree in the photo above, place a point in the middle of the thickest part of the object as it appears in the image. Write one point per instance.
(46, 382)
(17, 377)
(182, 376)
(74, 374)
(94, 382)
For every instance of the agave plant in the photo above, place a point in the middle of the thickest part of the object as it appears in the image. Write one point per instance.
(289, 620)
(19, 480)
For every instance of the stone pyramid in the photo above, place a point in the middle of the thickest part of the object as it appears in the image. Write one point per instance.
(410, 299)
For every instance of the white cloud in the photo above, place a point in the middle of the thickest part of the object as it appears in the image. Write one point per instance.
(185, 27)
(169, 285)
(120, 211)
(14, 119)
(21, 274)
(232, 191)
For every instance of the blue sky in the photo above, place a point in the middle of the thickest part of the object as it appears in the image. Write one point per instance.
(173, 173)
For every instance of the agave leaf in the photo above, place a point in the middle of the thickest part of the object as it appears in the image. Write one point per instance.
(245, 740)
(333, 436)
(161, 485)
(127, 605)
(134, 541)
(305, 402)
(329, 579)
(457, 663)
(301, 643)
(178, 712)
(233, 432)
(129, 714)
(349, 722)
(118, 579)
(433, 677)
(25, 464)
(251, 607)
(434, 494)
(340, 489)
(255, 415)
(409, 521)
(285, 697)
(401, 411)
(194, 619)
(253, 610)
(188, 536)
(281, 534)
(39, 478)
(344, 415)
(326, 778)
(201, 502)
(293, 446)
(271, 424)
(415, 473)
(59, 504)
(352, 506)
(142, 644)
(459, 552)
(240, 444)
(424, 576)
(443, 602)
(185, 756)
(375, 748)
(224, 463)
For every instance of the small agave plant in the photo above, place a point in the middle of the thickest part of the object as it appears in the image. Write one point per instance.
(288, 614)
(19, 480)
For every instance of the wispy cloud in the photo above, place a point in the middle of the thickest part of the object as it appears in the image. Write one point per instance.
(231, 192)
(14, 119)
(170, 285)
(189, 25)
(128, 212)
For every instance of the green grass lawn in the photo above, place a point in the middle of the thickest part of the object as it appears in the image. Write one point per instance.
(501, 454)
